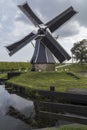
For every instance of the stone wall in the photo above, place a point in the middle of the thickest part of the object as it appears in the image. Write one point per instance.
(45, 67)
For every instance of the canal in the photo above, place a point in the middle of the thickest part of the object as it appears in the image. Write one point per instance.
(21, 105)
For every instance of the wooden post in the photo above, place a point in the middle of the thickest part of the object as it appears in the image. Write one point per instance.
(52, 89)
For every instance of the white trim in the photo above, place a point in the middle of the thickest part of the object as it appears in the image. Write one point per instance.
(46, 54)
(37, 51)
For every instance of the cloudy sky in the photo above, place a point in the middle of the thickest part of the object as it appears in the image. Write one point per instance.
(14, 25)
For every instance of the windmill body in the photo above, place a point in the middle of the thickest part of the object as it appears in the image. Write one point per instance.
(46, 47)
(42, 58)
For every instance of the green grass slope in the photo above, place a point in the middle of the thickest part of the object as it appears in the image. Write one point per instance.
(11, 66)
(76, 67)
(73, 127)
(43, 80)
(69, 127)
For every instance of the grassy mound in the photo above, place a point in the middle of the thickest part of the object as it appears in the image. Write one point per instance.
(43, 80)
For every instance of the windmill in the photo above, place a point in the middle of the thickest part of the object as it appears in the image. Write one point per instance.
(46, 47)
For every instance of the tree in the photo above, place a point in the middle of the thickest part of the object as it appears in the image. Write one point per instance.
(79, 51)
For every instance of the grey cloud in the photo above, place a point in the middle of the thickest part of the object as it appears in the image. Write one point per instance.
(81, 7)
(8, 10)
(22, 18)
(69, 29)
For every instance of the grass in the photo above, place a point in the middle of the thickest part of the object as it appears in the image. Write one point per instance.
(3, 75)
(76, 67)
(43, 80)
(69, 127)
(73, 127)
(12, 66)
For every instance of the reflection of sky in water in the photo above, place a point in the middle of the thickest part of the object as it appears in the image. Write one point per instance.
(9, 123)
(4, 100)
(24, 106)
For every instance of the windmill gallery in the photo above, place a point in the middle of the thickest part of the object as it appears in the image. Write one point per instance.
(46, 47)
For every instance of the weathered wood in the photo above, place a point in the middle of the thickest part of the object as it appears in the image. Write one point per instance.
(73, 107)
(77, 90)
(65, 96)
(67, 117)
(13, 74)
(63, 108)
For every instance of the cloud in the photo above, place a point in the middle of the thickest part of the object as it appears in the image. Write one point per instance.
(21, 17)
(1, 26)
(68, 30)
(81, 8)
(21, 29)
(4, 18)
(67, 42)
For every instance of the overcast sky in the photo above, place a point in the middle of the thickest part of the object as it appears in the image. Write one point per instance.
(14, 25)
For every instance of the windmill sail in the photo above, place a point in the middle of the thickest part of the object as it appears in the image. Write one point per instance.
(60, 19)
(30, 14)
(46, 45)
(55, 47)
(13, 48)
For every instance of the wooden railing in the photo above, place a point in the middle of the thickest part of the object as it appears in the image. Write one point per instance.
(63, 106)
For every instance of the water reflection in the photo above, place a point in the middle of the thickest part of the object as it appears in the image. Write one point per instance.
(20, 104)
(4, 100)
(10, 123)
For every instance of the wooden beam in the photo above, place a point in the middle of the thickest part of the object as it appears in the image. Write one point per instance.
(68, 117)
(63, 108)
(65, 96)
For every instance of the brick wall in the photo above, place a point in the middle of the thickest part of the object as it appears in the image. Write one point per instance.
(45, 67)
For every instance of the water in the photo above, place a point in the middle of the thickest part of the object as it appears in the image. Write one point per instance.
(10, 123)
(22, 105)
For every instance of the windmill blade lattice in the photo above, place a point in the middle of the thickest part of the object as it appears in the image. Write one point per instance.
(61, 19)
(13, 48)
(30, 14)
(55, 47)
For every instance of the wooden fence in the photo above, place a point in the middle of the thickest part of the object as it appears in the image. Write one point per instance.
(63, 106)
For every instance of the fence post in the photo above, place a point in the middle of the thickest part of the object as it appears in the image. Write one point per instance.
(52, 89)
